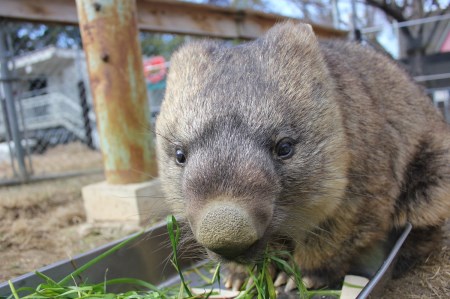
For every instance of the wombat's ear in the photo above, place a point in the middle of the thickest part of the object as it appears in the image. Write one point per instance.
(195, 52)
(189, 63)
(291, 38)
(290, 34)
(292, 54)
(292, 50)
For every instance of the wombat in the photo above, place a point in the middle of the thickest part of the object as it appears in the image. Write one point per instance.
(326, 146)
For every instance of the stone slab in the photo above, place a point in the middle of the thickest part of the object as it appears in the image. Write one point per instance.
(137, 204)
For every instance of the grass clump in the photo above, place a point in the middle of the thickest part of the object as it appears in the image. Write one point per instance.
(261, 288)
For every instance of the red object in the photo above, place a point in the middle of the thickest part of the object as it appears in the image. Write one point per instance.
(446, 44)
(155, 69)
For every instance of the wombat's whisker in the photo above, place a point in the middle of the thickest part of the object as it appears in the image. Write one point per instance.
(165, 138)
(166, 261)
(154, 197)
(401, 187)
(193, 253)
(340, 190)
(144, 173)
(312, 228)
(320, 237)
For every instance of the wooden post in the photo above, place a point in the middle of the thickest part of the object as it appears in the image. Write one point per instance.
(110, 39)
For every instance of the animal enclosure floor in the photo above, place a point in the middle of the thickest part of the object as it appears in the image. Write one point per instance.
(44, 222)
(63, 158)
(430, 279)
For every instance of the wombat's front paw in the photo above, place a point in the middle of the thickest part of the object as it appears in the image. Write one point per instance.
(289, 283)
(235, 276)
(314, 282)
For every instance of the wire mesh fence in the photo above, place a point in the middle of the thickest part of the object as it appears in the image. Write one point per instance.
(46, 104)
(47, 121)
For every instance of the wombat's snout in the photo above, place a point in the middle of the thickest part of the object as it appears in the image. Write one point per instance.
(226, 229)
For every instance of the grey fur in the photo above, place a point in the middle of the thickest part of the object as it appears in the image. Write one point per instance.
(370, 150)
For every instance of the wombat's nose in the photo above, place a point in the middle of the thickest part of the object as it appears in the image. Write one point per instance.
(226, 229)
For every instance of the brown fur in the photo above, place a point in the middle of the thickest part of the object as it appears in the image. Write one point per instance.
(370, 150)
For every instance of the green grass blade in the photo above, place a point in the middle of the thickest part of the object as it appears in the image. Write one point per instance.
(21, 290)
(203, 277)
(256, 283)
(293, 272)
(46, 278)
(99, 258)
(324, 293)
(269, 284)
(174, 235)
(181, 292)
(13, 290)
(216, 275)
(74, 290)
(132, 281)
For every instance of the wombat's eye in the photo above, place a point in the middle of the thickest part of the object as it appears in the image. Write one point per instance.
(180, 157)
(285, 148)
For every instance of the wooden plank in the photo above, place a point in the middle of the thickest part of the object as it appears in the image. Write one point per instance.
(54, 11)
(163, 16)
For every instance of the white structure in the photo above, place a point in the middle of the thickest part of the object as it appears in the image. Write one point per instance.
(47, 92)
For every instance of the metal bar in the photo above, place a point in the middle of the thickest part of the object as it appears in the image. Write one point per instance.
(432, 77)
(407, 23)
(84, 103)
(146, 258)
(335, 12)
(85, 114)
(446, 112)
(10, 107)
(354, 20)
(431, 90)
(7, 135)
(25, 137)
(165, 16)
(387, 263)
(110, 39)
(424, 20)
(397, 37)
(50, 177)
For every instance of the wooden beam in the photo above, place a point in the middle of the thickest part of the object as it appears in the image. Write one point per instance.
(163, 16)
(118, 88)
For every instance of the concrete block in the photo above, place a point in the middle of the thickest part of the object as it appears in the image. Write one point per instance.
(352, 286)
(136, 204)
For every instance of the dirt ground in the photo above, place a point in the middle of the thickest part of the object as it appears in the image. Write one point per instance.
(431, 279)
(63, 158)
(44, 222)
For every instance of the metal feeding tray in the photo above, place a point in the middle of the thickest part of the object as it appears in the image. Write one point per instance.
(147, 258)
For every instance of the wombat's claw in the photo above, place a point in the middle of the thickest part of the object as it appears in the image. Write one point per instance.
(235, 276)
(250, 283)
(281, 279)
(284, 279)
(234, 284)
(290, 285)
(308, 282)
